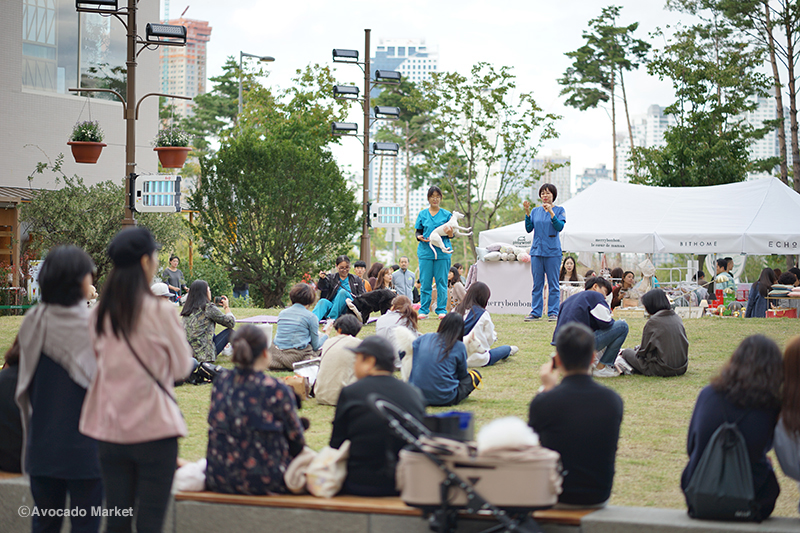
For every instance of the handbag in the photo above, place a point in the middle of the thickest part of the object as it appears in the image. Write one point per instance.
(327, 471)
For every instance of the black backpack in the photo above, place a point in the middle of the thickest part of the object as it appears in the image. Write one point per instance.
(721, 487)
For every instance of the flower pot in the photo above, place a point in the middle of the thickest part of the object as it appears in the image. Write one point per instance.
(172, 156)
(86, 152)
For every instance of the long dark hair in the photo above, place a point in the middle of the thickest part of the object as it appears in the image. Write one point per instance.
(753, 376)
(402, 305)
(563, 273)
(123, 295)
(374, 269)
(248, 343)
(765, 281)
(450, 331)
(790, 410)
(477, 294)
(456, 277)
(197, 299)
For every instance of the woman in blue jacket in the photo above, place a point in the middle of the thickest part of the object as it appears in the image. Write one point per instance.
(432, 267)
(546, 222)
(757, 303)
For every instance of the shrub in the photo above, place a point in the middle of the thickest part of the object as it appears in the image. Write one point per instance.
(87, 131)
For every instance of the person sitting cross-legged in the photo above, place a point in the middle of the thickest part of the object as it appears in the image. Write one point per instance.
(591, 309)
(336, 366)
(578, 418)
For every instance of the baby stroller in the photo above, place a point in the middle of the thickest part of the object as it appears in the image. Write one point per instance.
(439, 475)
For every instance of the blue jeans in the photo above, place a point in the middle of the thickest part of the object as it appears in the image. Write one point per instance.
(611, 339)
(428, 271)
(498, 354)
(327, 309)
(221, 340)
(539, 267)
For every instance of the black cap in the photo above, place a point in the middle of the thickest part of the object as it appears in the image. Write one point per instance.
(129, 245)
(379, 348)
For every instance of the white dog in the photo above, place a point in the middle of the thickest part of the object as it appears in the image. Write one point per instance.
(441, 231)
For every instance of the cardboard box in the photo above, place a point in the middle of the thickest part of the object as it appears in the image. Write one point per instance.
(689, 312)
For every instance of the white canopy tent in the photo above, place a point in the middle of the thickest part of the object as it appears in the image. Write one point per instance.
(759, 217)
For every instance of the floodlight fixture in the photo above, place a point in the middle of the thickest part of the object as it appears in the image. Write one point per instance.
(345, 92)
(380, 148)
(344, 128)
(385, 111)
(341, 55)
(165, 34)
(96, 6)
(387, 76)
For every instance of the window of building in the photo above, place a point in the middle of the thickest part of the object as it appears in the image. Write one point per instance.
(401, 51)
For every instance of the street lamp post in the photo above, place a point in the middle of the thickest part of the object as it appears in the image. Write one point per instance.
(385, 113)
(155, 34)
(242, 55)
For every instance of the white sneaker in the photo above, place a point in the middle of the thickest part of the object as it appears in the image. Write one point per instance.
(422, 317)
(623, 366)
(227, 350)
(514, 349)
(605, 372)
(352, 307)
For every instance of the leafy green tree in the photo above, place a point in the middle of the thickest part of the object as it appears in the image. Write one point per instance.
(412, 130)
(484, 135)
(714, 74)
(599, 65)
(88, 216)
(273, 208)
(214, 113)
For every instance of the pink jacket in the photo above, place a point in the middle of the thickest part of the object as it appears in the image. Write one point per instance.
(124, 405)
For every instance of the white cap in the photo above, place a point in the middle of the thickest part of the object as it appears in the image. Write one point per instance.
(160, 289)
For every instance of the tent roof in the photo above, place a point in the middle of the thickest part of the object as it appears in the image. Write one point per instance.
(754, 217)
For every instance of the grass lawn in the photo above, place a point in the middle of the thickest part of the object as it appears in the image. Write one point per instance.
(652, 446)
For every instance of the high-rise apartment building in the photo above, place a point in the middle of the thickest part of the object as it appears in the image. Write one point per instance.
(648, 132)
(590, 176)
(183, 68)
(556, 169)
(416, 61)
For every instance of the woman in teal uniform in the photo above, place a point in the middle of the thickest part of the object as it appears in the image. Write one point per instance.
(431, 267)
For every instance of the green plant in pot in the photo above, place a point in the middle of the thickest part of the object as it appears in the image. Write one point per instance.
(86, 141)
(172, 146)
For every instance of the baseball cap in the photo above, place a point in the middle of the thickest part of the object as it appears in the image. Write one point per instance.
(130, 244)
(160, 289)
(379, 348)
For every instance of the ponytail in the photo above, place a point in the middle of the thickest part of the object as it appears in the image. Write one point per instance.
(248, 343)
(402, 305)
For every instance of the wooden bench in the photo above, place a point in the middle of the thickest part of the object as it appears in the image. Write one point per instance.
(9, 475)
(387, 508)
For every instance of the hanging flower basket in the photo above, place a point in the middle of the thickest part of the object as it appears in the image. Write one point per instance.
(86, 152)
(172, 156)
(172, 146)
(86, 142)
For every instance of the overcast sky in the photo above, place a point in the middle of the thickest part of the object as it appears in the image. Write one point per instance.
(531, 36)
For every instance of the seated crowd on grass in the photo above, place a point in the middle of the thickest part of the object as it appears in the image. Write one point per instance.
(102, 380)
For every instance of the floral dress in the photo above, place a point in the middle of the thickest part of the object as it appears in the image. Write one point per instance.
(254, 432)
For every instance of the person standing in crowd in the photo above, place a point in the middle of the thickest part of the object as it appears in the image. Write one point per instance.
(578, 411)
(432, 267)
(722, 279)
(360, 269)
(10, 420)
(403, 279)
(747, 392)
(591, 309)
(56, 366)
(787, 432)
(664, 350)
(130, 407)
(200, 318)
(336, 288)
(374, 448)
(478, 323)
(254, 430)
(174, 278)
(757, 303)
(297, 336)
(546, 222)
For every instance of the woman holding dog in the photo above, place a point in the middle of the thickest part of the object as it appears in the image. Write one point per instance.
(432, 267)
(546, 222)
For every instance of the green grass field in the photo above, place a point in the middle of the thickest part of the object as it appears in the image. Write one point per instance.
(652, 446)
